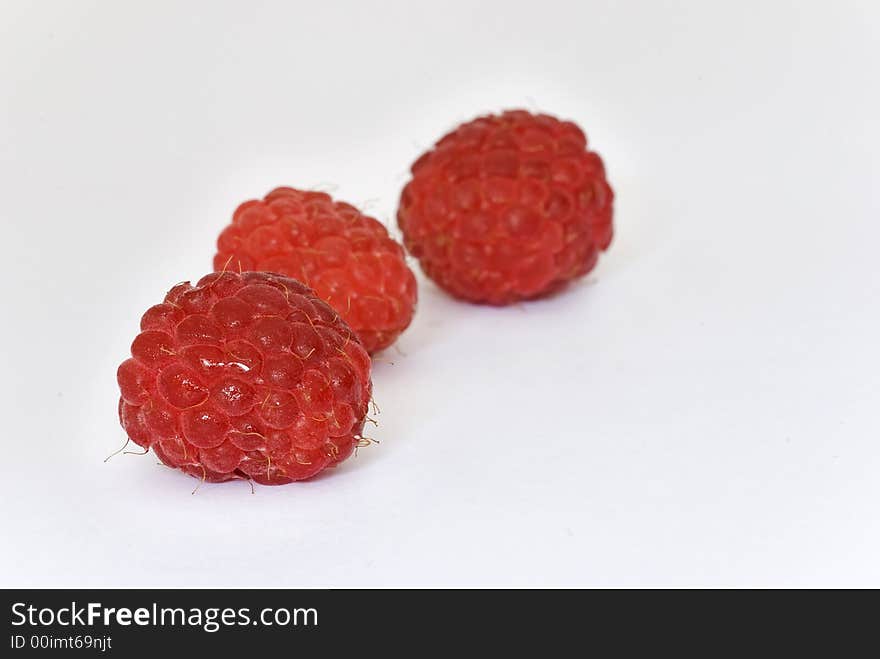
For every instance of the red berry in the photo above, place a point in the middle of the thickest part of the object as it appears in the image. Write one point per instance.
(507, 207)
(347, 257)
(245, 376)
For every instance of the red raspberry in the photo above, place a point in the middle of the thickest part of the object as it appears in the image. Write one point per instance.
(507, 207)
(347, 257)
(245, 376)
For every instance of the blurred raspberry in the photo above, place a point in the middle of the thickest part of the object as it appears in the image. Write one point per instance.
(245, 376)
(347, 257)
(507, 207)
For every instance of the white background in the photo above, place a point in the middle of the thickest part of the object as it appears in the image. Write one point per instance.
(702, 410)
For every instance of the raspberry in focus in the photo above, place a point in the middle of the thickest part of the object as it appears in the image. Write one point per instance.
(507, 207)
(346, 256)
(245, 376)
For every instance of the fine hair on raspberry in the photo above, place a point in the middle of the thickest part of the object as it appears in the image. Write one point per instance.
(507, 207)
(346, 256)
(245, 376)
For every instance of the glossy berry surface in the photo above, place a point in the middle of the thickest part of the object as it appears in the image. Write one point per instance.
(245, 376)
(346, 256)
(507, 207)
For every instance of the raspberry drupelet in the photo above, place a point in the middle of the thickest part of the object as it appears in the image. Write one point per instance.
(507, 207)
(245, 376)
(346, 256)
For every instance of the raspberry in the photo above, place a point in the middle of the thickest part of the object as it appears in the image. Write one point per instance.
(347, 257)
(507, 207)
(245, 376)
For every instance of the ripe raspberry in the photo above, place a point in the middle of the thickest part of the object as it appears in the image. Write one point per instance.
(245, 376)
(347, 257)
(507, 207)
